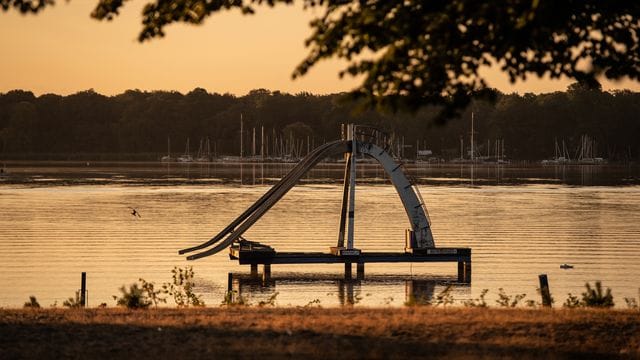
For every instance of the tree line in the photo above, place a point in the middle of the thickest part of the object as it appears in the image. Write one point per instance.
(137, 124)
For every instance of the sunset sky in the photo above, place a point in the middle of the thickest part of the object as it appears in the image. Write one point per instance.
(62, 50)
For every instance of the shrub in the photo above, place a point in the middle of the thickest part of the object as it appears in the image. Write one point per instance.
(73, 303)
(572, 302)
(445, 297)
(478, 302)
(32, 303)
(232, 298)
(151, 293)
(135, 298)
(594, 297)
(182, 288)
(505, 300)
(271, 301)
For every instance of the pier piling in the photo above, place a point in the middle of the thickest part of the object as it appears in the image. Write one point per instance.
(83, 289)
(347, 270)
(464, 271)
(266, 273)
(360, 271)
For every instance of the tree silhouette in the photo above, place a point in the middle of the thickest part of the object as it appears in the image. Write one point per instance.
(414, 53)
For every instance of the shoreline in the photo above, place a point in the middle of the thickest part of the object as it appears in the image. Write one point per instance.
(243, 332)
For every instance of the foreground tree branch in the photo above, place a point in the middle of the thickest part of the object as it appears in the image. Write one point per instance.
(415, 53)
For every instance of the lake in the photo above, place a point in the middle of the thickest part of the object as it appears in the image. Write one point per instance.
(60, 219)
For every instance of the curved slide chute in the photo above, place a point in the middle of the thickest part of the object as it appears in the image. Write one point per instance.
(319, 151)
(410, 200)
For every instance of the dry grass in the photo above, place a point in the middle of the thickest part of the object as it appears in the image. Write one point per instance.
(319, 333)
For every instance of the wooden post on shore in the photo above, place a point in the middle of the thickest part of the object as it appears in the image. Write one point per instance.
(544, 290)
(83, 289)
(229, 296)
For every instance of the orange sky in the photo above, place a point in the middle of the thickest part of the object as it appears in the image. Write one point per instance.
(62, 50)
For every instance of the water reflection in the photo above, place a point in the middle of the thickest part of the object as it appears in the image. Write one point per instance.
(255, 173)
(417, 290)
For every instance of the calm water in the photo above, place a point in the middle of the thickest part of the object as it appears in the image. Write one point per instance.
(59, 220)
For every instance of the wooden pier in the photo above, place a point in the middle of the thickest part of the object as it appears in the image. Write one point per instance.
(254, 254)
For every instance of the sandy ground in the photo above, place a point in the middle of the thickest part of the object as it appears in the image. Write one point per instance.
(317, 333)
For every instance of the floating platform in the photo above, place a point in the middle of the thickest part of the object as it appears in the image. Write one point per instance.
(253, 253)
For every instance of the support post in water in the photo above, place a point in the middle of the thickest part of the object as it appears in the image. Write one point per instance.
(464, 271)
(347, 270)
(83, 289)
(544, 290)
(360, 271)
(254, 270)
(266, 273)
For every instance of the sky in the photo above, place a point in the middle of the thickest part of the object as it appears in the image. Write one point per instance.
(62, 50)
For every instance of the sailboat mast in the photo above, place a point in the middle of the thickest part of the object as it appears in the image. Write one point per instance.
(472, 154)
(241, 136)
(262, 142)
(253, 143)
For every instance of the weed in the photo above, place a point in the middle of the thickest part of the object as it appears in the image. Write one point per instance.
(445, 297)
(232, 298)
(270, 302)
(314, 302)
(135, 298)
(73, 303)
(182, 288)
(571, 302)
(478, 302)
(505, 300)
(32, 303)
(151, 293)
(631, 303)
(594, 297)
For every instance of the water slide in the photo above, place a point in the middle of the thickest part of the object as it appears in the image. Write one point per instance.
(266, 201)
(409, 196)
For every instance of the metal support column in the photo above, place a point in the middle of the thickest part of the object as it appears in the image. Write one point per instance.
(345, 199)
(352, 186)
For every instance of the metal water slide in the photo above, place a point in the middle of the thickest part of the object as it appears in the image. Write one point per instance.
(411, 200)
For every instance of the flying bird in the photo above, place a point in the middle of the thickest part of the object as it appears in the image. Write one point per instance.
(135, 212)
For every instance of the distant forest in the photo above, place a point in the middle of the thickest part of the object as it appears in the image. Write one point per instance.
(136, 125)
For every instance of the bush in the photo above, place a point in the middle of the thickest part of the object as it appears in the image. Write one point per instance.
(505, 300)
(32, 303)
(135, 298)
(73, 303)
(182, 288)
(594, 297)
(478, 302)
(572, 302)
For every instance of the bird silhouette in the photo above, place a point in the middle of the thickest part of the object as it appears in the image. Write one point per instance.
(135, 212)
